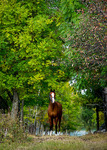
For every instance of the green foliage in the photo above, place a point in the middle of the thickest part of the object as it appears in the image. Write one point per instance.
(71, 108)
(43, 45)
(30, 48)
(70, 9)
(87, 118)
(35, 114)
(101, 118)
(85, 48)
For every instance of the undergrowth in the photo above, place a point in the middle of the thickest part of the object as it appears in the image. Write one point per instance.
(11, 130)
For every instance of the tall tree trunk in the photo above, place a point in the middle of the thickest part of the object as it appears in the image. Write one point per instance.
(97, 119)
(35, 123)
(14, 112)
(105, 109)
(22, 111)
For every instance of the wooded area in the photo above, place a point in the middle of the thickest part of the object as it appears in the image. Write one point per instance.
(53, 44)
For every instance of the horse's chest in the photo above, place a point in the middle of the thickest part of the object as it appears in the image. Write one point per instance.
(52, 112)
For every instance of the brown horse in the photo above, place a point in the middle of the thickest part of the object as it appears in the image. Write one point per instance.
(54, 112)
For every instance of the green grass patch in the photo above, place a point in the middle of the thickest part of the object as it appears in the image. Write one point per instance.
(87, 142)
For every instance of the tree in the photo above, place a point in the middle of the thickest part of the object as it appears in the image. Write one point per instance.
(87, 118)
(86, 47)
(71, 108)
(30, 49)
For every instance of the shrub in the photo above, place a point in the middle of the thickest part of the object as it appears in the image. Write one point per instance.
(11, 130)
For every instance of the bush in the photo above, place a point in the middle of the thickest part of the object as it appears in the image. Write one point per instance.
(11, 130)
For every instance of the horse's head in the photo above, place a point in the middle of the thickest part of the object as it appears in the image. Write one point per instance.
(52, 96)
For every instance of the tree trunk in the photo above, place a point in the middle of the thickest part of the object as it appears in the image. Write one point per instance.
(14, 112)
(41, 130)
(105, 109)
(97, 119)
(35, 123)
(22, 111)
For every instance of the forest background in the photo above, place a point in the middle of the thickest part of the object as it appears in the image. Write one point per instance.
(53, 44)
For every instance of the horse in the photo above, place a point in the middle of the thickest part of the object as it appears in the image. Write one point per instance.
(54, 112)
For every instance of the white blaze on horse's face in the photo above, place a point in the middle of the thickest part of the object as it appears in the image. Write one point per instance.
(53, 97)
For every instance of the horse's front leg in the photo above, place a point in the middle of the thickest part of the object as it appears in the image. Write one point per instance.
(59, 125)
(56, 120)
(51, 125)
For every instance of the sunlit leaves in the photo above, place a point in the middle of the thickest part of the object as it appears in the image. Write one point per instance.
(30, 47)
(71, 107)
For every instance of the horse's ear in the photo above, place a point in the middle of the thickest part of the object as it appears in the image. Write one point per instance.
(51, 90)
(54, 91)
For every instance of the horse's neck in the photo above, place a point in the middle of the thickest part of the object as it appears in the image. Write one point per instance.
(52, 105)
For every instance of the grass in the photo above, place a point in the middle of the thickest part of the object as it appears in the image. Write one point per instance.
(87, 142)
